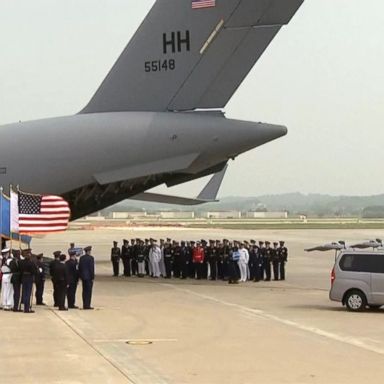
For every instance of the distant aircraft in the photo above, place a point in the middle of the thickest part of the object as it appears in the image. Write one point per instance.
(157, 117)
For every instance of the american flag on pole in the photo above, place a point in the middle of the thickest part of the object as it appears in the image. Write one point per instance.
(42, 213)
(197, 4)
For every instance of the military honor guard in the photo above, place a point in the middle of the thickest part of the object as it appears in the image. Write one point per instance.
(243, 262)
(71, 266)
(87, 276)
(39, 280)
(115, 258)
(168, 260)
(275, 261)
(283, 258)
(28, 272)
(267, 260)
(140, 258)
(6, 284)
(52, 265)
(155, 257)
(126, 258)
(61, 282)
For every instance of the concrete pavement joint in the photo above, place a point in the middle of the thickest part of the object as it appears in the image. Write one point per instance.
(93, 347)
(264, 315)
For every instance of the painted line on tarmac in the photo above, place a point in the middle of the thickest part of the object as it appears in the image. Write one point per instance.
(135, 340)
(258, 313)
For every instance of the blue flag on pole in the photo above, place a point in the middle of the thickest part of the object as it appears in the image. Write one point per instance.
(5, 221)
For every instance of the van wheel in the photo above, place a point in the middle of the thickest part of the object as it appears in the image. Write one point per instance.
(356, 301)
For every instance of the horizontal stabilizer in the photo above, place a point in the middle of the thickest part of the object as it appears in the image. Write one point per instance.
(207, 195)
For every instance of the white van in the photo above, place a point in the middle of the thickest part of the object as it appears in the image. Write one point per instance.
(357, 279)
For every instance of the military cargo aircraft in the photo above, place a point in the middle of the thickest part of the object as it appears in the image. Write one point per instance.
(158, 115)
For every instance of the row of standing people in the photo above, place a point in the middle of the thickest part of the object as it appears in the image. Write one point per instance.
(66, 273)
(215, 259)
(21, 270)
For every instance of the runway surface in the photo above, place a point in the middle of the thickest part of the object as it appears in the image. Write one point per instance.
(198, 331)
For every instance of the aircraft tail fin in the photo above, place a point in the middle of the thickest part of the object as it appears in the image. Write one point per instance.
(191, 54)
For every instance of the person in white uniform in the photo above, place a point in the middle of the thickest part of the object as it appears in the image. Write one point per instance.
(243, 262)
(162, 263)
(7, 287)
(155, 258)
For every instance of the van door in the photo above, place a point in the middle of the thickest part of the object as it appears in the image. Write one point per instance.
(377, 279)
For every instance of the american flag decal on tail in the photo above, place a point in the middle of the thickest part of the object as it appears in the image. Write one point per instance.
(197, 4)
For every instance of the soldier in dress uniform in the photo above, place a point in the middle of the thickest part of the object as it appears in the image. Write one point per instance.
(126, 258)
(115, 258)
(234, 256)
(148, 264)
(267, 261)
(52, 266)
(275, 261)
(87, 275)
(140, 257)
(283, 258)
(39, 279)
(162, 263)
(168, 260)
(184, 259)
(73, 278)
(262, 257)
(28, 272)
(60, 276)
(252, 265)
(198, 255)
(211, 254)
(176, 259)
(219, 259)
(225, 253)
(258, 264)
(155, 257)
(16, 279)
(204, 267)
(6, 285)
(133, 252)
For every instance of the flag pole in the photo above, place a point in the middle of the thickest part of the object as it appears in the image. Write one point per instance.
(18, 232)
(10, 215)
(1, 216)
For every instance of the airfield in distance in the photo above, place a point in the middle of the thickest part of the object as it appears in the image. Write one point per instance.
(199, 331)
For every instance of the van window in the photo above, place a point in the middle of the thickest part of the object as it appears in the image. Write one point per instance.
(373, 263)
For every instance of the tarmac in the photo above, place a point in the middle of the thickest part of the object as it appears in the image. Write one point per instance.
(185, 331)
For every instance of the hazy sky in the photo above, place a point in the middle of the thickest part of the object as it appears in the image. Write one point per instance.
(322, 77)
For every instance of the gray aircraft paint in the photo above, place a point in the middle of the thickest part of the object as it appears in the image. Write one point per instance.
(125, 142)
(240, 31)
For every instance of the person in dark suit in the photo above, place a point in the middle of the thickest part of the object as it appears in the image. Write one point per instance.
(52, 266)
(39, 280)
(73, 278)
(87, 275)
(60, 276)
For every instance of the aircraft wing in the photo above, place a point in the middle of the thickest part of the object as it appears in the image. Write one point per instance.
(207, 195)
(183, 58)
